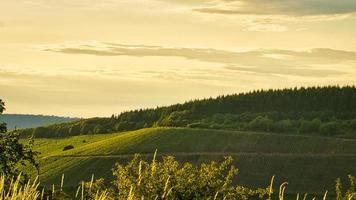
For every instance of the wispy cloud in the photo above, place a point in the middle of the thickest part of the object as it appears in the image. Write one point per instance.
(43, 94)
(273, 15)
(265, 25)
(280, 7)
(270, 61)
(307, 72)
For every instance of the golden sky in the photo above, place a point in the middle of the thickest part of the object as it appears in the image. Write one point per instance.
(95, 58)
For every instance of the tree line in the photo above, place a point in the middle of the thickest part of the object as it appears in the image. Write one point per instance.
(329, 110)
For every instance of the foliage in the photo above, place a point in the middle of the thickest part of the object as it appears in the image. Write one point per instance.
(283, 126)
(169, 179)
(309, 126)
(2, 125)
(330, 128)
(14, 153)
(241, 111)
(165, 179)
(353, 124)
(261, 124)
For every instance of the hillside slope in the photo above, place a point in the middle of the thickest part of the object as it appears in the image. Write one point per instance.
(309, 163)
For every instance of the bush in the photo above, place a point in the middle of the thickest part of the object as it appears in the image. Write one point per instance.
(218, 118)
(330, 128)
(98, 129)
(283, 126)
(68, 147)
(169, 179)
(176, 119)
(216, 126)
(309, 126)
(261, 123)
(353, 124)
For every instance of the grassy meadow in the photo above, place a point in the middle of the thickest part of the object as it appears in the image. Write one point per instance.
(309, 163)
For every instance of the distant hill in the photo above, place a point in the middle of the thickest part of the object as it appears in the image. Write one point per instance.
(323, 110)
(20, 121)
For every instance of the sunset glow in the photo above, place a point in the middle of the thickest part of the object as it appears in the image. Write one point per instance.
(89, 58)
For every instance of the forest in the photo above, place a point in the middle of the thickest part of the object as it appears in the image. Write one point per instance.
(328, 111)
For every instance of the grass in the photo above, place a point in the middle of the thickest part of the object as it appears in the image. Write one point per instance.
(311, 164)
(86, 190)
(14, 190)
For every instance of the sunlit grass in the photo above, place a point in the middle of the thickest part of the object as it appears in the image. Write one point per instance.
(286, 154)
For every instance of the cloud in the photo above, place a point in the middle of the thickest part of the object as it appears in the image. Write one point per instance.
(319, 62)
(290, 71)
(28, 92)
(280, 7)
(265, 25)
(275, 15)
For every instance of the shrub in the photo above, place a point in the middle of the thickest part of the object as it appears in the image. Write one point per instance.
(261, 123)
(283, 126)
(353, 124)
(74, 129)
(309, 126)
(216, 126)
(169, 179)
(218, 118)
(176, 118)
(98, 129)
(68, 147)
(330, 128)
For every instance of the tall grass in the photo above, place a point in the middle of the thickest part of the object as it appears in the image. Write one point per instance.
(30, 191)
(17, 191)
(146, 174)
(14, 190)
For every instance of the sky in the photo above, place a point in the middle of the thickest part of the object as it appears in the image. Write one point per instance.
(87, 58)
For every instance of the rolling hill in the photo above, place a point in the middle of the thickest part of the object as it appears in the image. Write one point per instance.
(309, 163)
(305, 136)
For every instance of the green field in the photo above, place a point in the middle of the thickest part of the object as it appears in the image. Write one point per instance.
(308, 163)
